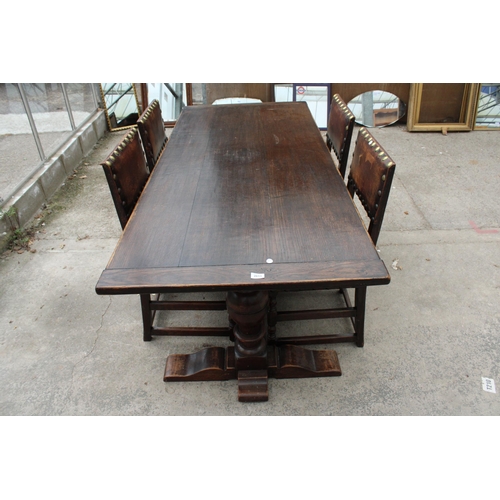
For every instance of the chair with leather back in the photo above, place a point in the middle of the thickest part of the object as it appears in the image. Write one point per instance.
(127, 173)
(370, 178)
(339, 131)
(152, 130)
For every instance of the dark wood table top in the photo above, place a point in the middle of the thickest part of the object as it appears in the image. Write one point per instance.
(238, 185)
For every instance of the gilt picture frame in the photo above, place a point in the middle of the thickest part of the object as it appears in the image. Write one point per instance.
(460, 116)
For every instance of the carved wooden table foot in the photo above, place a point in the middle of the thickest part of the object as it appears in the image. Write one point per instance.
(251, 360)
(208, 364)
(291, 361)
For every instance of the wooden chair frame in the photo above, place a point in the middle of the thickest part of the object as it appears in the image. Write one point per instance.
(370, 178)
(151, 304)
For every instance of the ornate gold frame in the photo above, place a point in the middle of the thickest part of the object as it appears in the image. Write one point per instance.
(467, 113)
(111, 128)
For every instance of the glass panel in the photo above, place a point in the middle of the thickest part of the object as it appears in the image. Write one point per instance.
(81, 100)
(488, 109)
(283, 92)
(18, 152)
(377, 108)
(50, 114)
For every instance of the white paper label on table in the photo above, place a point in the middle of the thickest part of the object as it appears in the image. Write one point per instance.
(257, 276)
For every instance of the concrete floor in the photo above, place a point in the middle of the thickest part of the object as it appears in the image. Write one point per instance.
(431, 335)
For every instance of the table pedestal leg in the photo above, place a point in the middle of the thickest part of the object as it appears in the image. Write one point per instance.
(248, 310)
(251, 360)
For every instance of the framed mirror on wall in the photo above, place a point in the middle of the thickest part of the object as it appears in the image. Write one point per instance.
(120, 104)
(442, 107)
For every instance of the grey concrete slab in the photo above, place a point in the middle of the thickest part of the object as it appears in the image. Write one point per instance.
(87, 137)
(52, 177)
(32, 195)
(72, 155)
(431, 334)
(100, 125)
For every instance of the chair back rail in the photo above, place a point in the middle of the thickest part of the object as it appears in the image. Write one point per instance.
(370, 177)
(127, 173)
(339, 131)
(152, 131)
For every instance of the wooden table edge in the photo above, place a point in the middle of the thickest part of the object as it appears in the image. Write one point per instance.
(305, 276)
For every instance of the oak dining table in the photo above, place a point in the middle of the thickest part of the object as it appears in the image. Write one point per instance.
(245, 200)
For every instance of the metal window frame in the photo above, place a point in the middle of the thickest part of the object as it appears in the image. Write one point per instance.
(44, 158)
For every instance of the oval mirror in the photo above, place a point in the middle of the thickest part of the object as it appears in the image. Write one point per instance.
(377, 108)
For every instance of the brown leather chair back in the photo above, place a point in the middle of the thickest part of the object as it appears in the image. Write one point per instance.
(152, 130)
(339, 131)
(127, 173)
(370, 177)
